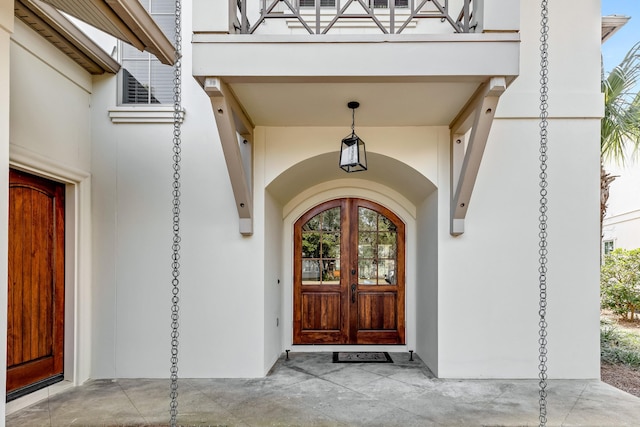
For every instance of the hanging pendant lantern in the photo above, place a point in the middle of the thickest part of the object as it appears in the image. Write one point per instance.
(353, 157)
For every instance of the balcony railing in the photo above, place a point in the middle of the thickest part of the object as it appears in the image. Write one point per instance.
(388, 16)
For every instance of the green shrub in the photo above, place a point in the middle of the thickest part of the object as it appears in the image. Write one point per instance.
(620, 282)
(618, 346)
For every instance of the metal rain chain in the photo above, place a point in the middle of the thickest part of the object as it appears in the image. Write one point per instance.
(175, 259)
(542, 234)
(542, 251)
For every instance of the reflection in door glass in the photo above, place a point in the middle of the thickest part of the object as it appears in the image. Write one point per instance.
(310, 270)
(377, 248)
(321, 249)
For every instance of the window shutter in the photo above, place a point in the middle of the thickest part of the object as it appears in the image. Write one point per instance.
(312, 3)
(384, 4)
(144, 79)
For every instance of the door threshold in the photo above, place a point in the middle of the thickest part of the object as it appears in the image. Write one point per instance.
(316, 348)
(37, 396)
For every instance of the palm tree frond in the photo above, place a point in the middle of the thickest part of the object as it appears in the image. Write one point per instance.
(620, 129)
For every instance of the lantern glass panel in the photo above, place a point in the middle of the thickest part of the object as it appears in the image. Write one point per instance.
(349, 155)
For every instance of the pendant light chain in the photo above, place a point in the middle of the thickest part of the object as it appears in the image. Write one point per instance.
(542, 234)
(353, 121)
(175, 264)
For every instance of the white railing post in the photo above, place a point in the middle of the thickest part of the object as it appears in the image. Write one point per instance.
(220, 16)
(496, 15)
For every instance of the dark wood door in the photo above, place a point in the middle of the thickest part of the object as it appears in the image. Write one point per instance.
(349, 277)
(35, 315)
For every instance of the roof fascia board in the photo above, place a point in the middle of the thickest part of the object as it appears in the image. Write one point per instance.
(84, 45)
(136, 17)
(611, 24)
(126, 20)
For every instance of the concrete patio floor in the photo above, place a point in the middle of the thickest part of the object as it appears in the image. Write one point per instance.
(310, 390)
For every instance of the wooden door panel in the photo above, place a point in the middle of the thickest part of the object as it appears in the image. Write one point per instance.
(30, 326)
(321, 311)
(30, 372)
(364, 337)
(35, 311)
(377, 311)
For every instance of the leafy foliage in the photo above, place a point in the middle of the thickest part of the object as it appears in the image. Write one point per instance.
(621, 121)
(618, 346)
(620, 125)
(620, 282)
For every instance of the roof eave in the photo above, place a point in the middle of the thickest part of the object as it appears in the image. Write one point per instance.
(126, 20)
(145, 28)
(611, 24)
(61, 32)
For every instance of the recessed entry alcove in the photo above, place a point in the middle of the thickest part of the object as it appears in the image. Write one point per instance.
(389, 189)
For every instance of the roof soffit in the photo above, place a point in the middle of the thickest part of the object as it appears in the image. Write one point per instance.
(62, 33)
(611, 24)
(126, 20)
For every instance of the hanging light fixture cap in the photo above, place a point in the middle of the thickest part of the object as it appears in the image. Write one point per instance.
(353, 105)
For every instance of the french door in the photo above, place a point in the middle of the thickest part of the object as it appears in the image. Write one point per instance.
(35, 312)
(349, 278)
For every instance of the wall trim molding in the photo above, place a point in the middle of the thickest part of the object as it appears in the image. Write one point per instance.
(143, 114)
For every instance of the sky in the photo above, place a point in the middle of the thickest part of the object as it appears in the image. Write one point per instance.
(614, 49)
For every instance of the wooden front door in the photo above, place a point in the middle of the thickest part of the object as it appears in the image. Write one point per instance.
(349, 275)
(35, 323)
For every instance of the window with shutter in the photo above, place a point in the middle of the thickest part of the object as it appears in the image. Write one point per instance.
(378, 4)
(144, 79)
(312, 3)
(384, 4)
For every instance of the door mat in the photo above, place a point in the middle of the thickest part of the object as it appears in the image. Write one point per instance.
(361, 357)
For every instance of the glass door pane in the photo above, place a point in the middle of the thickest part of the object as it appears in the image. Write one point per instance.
(377, 248)
(321, 249)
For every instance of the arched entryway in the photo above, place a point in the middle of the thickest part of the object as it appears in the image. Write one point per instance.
(349, 274)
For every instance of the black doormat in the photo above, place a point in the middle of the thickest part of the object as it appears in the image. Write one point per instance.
(361, 357)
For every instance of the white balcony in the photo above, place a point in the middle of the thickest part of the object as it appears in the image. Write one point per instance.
(433, 69)
(416, 63)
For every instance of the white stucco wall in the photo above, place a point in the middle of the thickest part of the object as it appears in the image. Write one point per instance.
(414, 146)
(488, 276)
(222, 273)
(623, 230)
(426, 302)
(273, 282)
(54, 92)
(622, 222)
(622, 193)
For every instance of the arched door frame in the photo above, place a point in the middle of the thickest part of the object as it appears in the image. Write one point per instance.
(374, 192)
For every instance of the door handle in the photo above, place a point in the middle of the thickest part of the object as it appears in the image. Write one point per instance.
(353, 292)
